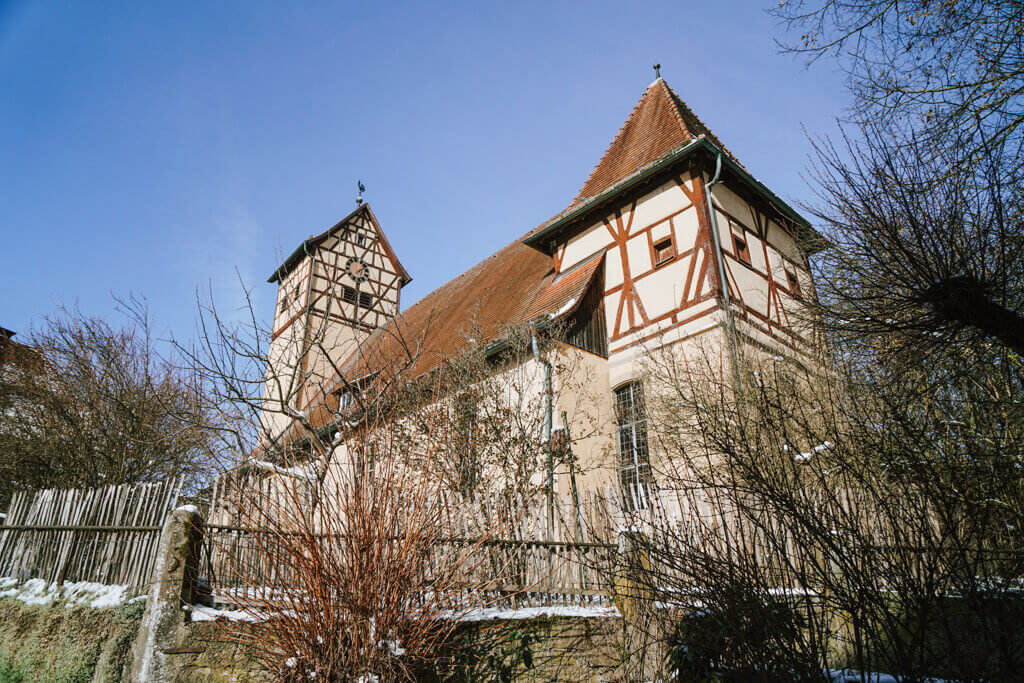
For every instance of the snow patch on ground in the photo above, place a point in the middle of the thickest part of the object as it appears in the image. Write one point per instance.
(200, 613)
(69, 594)
(503, 613)
(211, 614)
(854, 676)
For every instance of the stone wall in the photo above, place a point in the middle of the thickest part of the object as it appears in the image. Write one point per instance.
(58, 643)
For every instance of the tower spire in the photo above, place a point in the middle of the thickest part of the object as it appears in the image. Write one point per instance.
(657, 71)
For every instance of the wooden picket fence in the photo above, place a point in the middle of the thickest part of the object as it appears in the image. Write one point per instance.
(550, 555)
(105, 535)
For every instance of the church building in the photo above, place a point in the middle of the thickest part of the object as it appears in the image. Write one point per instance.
(670, 241)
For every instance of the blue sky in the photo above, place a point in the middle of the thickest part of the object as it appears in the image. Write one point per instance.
(157, 147)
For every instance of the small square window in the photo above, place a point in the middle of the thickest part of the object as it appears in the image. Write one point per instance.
(365, 300)
(794, 283)
(663, 251)
(740, 246)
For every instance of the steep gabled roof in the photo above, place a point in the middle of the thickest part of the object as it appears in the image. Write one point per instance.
(306, 247)
(659, 123)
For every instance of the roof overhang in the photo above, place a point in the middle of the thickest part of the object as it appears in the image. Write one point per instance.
(543, 239)
(306, 247)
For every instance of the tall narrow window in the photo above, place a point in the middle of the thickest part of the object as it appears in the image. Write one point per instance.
(467, 468)
(634, 459)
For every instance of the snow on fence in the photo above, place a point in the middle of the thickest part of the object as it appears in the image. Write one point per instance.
(104, 535)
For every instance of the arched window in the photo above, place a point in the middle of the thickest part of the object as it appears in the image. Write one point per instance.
(634, 459)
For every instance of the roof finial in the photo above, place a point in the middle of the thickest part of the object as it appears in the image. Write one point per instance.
(362, 189)
(657, 71)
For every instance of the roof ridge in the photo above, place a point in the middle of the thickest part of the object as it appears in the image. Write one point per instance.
(675, 110)
(659, 123)
(619, 134)
(681, 105)
(475, 267)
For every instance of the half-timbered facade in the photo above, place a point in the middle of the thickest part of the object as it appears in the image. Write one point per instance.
(333, 290)
(669, 242)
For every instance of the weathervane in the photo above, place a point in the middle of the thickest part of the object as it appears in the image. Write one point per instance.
(362, 189)
(657, 70)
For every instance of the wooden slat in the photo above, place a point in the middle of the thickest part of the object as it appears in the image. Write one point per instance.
(104, 535)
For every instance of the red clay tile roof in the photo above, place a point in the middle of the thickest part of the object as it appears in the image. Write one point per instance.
(513, 287)
(659, 123)
(18, 355)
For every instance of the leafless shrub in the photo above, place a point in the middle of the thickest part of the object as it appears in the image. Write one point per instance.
(360, 514)
(368, 582)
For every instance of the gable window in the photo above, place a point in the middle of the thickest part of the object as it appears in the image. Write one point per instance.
(739, 244)
(663, 251)
(284, 301)
(634, 458)
(794, 283)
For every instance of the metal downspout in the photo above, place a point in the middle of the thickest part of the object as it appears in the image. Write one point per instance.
(548, 409)
(730, 321)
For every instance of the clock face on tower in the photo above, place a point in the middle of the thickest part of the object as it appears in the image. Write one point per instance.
(357, 270)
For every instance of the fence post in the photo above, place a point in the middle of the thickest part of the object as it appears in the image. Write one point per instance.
(634, 598)
(173, 585)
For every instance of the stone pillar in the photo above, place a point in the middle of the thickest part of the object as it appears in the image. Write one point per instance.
(173, 585)
(633, 598)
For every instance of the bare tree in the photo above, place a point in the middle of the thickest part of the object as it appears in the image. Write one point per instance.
(928, 250)
(101, 407)
(950, 69)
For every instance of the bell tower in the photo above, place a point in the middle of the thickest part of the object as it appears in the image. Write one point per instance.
(333, 290)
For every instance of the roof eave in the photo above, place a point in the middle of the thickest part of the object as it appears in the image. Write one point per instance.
(701, 142)
(303, 249)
